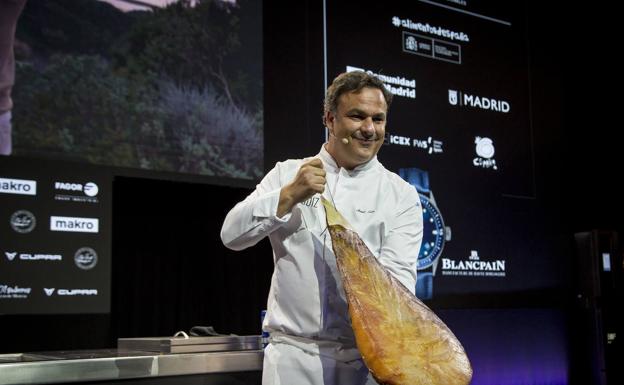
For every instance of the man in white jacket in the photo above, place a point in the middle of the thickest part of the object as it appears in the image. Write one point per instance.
(311, 338)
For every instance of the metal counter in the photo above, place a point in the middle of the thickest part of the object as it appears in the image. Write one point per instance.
(112, 365)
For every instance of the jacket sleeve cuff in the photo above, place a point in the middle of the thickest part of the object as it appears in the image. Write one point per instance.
(266, 207)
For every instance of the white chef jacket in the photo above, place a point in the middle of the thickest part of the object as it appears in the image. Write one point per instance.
(306, 307)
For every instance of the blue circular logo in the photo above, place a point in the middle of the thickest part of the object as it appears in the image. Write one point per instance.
(433, 234)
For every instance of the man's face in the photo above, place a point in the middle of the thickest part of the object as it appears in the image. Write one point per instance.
(361, 118)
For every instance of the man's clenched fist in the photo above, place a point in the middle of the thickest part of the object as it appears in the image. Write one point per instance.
(310, 180)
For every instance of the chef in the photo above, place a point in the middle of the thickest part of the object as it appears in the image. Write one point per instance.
(311, 338)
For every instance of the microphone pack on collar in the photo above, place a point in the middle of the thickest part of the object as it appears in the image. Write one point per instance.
(345, 140)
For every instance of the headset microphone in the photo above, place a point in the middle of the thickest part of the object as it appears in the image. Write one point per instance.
(345, 140)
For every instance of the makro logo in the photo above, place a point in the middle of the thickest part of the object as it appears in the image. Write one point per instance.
(89, 189)
(18, 186)
(459, 98)
(74, 224)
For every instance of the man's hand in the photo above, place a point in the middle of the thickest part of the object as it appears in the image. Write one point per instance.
(310, 180)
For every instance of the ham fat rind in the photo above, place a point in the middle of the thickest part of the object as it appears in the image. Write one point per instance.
(401, 340)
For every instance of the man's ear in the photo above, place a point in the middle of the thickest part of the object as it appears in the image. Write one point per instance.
(329, 121)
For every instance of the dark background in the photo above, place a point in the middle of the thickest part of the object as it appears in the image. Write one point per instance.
(171, 272)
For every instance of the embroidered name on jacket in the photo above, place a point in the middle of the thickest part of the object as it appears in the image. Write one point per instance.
(311, 202)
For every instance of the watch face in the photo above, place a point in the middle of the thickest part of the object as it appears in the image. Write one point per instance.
(433, 234)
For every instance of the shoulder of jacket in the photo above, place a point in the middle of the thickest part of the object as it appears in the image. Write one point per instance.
(402, 190)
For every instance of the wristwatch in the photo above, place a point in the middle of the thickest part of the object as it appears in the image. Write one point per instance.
(435, 233)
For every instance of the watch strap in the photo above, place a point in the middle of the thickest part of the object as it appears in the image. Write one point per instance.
(417, 178)
(424, 285)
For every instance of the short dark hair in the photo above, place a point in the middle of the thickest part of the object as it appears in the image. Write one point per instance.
(352, 82)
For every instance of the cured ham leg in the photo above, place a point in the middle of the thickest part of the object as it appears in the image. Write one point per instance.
(401, 340)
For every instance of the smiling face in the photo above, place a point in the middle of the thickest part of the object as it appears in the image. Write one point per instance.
(361, 118)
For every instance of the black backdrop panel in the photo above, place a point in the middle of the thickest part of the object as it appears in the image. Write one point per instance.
(55, 237)
(461, 113)
(171, 269)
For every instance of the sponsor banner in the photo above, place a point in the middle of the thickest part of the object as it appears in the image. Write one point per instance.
(74, 248)
(50, 291)
(13, 255)
(432, 48)
(14, 292)
(76, 192)
(85, 258)
(474, 266)
(18, 186)
(396, 84)
(74, 224)
(462, 99)
(484, 147)
(428, 145)
(23, 221)
(429, 29)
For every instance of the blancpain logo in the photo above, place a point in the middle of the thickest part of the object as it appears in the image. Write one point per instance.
(18, 186)
(33, 257)
(458, 98)
(484, 147)
(7, 291)
(74, 224)
(474, 267)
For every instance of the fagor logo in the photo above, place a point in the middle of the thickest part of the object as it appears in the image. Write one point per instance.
(75, 224)
(18, 186)
(89, 189)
